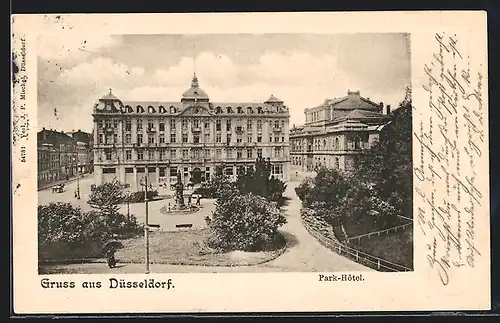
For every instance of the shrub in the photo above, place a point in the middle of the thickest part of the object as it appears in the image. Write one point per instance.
(215, 187)
(65, 231)
(245, 222)
(138, 197)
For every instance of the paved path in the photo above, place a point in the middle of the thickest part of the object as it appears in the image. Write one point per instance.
(305, 253)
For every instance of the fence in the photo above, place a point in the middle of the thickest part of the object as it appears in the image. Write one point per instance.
(379, 233)
(315, 227)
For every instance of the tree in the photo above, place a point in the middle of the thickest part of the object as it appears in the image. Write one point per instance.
(245, 222)
(106, 197)
(64, 231)
(387, 166)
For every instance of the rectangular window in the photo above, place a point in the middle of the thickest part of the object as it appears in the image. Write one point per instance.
(107, 139)
(128, 125)
(207, 137)
(162, 154)
(128, 138)
(270, 138)
(140, 156)
(282, 139)
(228, 125)
(196, 123)
(196, 153)
(184, 123)
(173, 153)
(185, 153)
(172, 124)
(249, 138)
(218, 138)
(239, 139)
(228, 138)
(173, 171)
(259, 153)
(283, 124)
(207, 153)
(139, 124)
(276, 139)
(151, 169)
(129, 170)
(141, 170)
(276, 123)
(108, 170)
(115, 123)
(218, 153)
(259, 124)
(239, 154)
(151, 139)
(249, 153)
(151, 155)
(108, 155)
(196, 139)
(162, 138)
(101, 138)
(229, 153)
(184, 137)
(162, 126)
(162, 171)
(217, 125)
(207, 125)
(128, 154)
(151, 124)
(172, 137)
(249, 125)
(229, 171)
(259, 139)
(139, 138)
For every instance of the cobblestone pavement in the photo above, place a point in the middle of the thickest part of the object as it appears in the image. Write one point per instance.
(305, 253)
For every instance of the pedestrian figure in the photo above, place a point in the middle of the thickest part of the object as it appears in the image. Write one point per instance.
(168, 206)
(198, 198)
(76, 195)
(189, 201)
(111, 258)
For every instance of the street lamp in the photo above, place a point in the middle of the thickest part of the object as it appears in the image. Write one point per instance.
(146, 223)
(77, 177)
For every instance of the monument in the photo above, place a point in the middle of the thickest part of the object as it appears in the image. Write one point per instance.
(179, 194)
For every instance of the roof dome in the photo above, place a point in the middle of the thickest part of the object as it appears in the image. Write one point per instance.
(194, 92)
(273, 99)
(110, 97)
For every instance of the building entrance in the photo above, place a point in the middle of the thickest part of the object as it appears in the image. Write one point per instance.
(196, 175)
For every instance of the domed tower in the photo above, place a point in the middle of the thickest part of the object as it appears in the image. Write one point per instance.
(195, 93)
(108, 103)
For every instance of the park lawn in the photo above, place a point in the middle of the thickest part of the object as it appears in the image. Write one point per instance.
(396, 247)
(187, 247)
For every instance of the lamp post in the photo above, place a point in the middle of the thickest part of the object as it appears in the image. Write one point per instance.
(77, 177)
(146, 224)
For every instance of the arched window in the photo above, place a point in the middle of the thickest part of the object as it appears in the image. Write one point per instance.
(357, 142)
(173, 109)
(249, 110)
(140, 109)
(324, 144)
(218, 110)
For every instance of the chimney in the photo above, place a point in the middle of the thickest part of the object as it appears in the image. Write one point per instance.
(388, 108)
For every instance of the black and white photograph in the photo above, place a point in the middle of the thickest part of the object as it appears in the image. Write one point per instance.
(224, 153)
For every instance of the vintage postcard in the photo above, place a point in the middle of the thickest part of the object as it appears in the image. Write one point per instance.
(250, 162)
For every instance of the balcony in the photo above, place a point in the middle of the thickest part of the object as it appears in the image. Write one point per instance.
(239, 129)
(151, 130)
(277, 129)
(108, 129)
(196, 129)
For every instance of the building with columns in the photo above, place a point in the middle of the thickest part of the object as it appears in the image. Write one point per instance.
(336, 132)
(193, 137)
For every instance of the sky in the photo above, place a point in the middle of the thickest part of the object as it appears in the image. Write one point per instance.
(301, 69)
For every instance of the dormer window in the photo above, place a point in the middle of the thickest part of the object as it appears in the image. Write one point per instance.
(229, 110)
(249, 110)
(218, 110)
(239, 110)
(172, 109)
(259, 110)
(140, 109)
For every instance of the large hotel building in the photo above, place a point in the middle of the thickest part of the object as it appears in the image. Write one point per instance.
(337, 132)
(193, 137)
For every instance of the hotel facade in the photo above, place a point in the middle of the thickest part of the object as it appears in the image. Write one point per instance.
(337, 132)
(194, 137)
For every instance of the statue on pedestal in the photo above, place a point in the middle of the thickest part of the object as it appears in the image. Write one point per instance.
(179, 193)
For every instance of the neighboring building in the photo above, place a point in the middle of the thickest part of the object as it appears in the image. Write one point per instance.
(66, 147)
(48, 164)
(191, 137)
(336, 132)
(85, 154)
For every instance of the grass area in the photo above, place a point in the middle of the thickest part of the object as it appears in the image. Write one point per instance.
(188, 248)
(356, 228)
(396, 247)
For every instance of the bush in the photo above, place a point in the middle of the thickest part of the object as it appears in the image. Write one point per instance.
(65, 232)
(245, 222)
(215, 187)
(138, 197)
